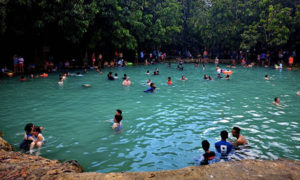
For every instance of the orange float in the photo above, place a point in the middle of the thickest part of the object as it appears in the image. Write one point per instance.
(44, 75)
(10, 74)
(229, 72)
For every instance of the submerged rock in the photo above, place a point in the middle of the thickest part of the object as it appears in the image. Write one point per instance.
(15, 165)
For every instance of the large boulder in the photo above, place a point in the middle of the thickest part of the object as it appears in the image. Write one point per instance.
(14, 165)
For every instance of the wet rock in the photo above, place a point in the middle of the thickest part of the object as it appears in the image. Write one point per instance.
(5, 145)
(15, 165)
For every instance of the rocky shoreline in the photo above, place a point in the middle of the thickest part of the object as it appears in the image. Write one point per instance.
(15, 165)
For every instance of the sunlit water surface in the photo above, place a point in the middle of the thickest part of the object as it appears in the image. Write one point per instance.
(162, 130)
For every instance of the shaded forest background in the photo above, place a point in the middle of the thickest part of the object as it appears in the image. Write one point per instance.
(65, 29)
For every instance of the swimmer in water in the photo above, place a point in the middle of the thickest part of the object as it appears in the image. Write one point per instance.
(156, 72)
(99, 71)
(180, 67)
(116, 76)
(78, 74)
(148, 82)
(64, 77)
(39, 140)
(241, 140)
(151, 89)
(117, 119)
(227, 77)
(209, 78)
(224, 147)
(203, 66)
(183, 78)
(219, 76)
(169, 64)
(125, 76)
(31, 76)
(61, 81)
(126, 82)
(169, 81)
(298, 93)
(110, 77)
(148, 72)
(276, 101)
(208, 155)
(205, 77)
(267, 77)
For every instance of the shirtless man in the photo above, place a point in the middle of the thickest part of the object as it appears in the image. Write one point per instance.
(276, 101)
(241, 140)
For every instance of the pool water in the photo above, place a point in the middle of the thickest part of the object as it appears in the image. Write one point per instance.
(162, 130)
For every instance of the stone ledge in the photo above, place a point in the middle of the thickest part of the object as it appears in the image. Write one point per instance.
(15, 165)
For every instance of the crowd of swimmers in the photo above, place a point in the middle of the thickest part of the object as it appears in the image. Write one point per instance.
(33, 134)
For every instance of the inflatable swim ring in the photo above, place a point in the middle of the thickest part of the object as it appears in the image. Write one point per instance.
(129, 64)
(44, 75)
(227, 72)
(10, 74)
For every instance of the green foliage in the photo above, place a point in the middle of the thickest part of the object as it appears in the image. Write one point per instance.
(151, 24)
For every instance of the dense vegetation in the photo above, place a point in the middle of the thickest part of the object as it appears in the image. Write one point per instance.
(68, 29)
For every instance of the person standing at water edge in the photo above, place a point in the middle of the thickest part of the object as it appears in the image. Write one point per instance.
(241, 140)
(223, 146)
(208, 155)
(16, 61)
(21, 64)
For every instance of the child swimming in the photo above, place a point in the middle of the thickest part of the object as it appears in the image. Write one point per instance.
(117, 125)
(61, 81)
(151, 89)
(169, 81)
(183, 78)
(148, 82)
(205, 77)
(39, 139)
(267, 77)
(116, 76)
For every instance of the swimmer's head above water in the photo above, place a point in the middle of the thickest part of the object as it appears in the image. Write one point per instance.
(224, 135)
(276, 100)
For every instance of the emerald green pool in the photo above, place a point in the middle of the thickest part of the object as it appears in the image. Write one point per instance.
(162, 130)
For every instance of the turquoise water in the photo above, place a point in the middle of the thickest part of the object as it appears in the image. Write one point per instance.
(162, 130)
